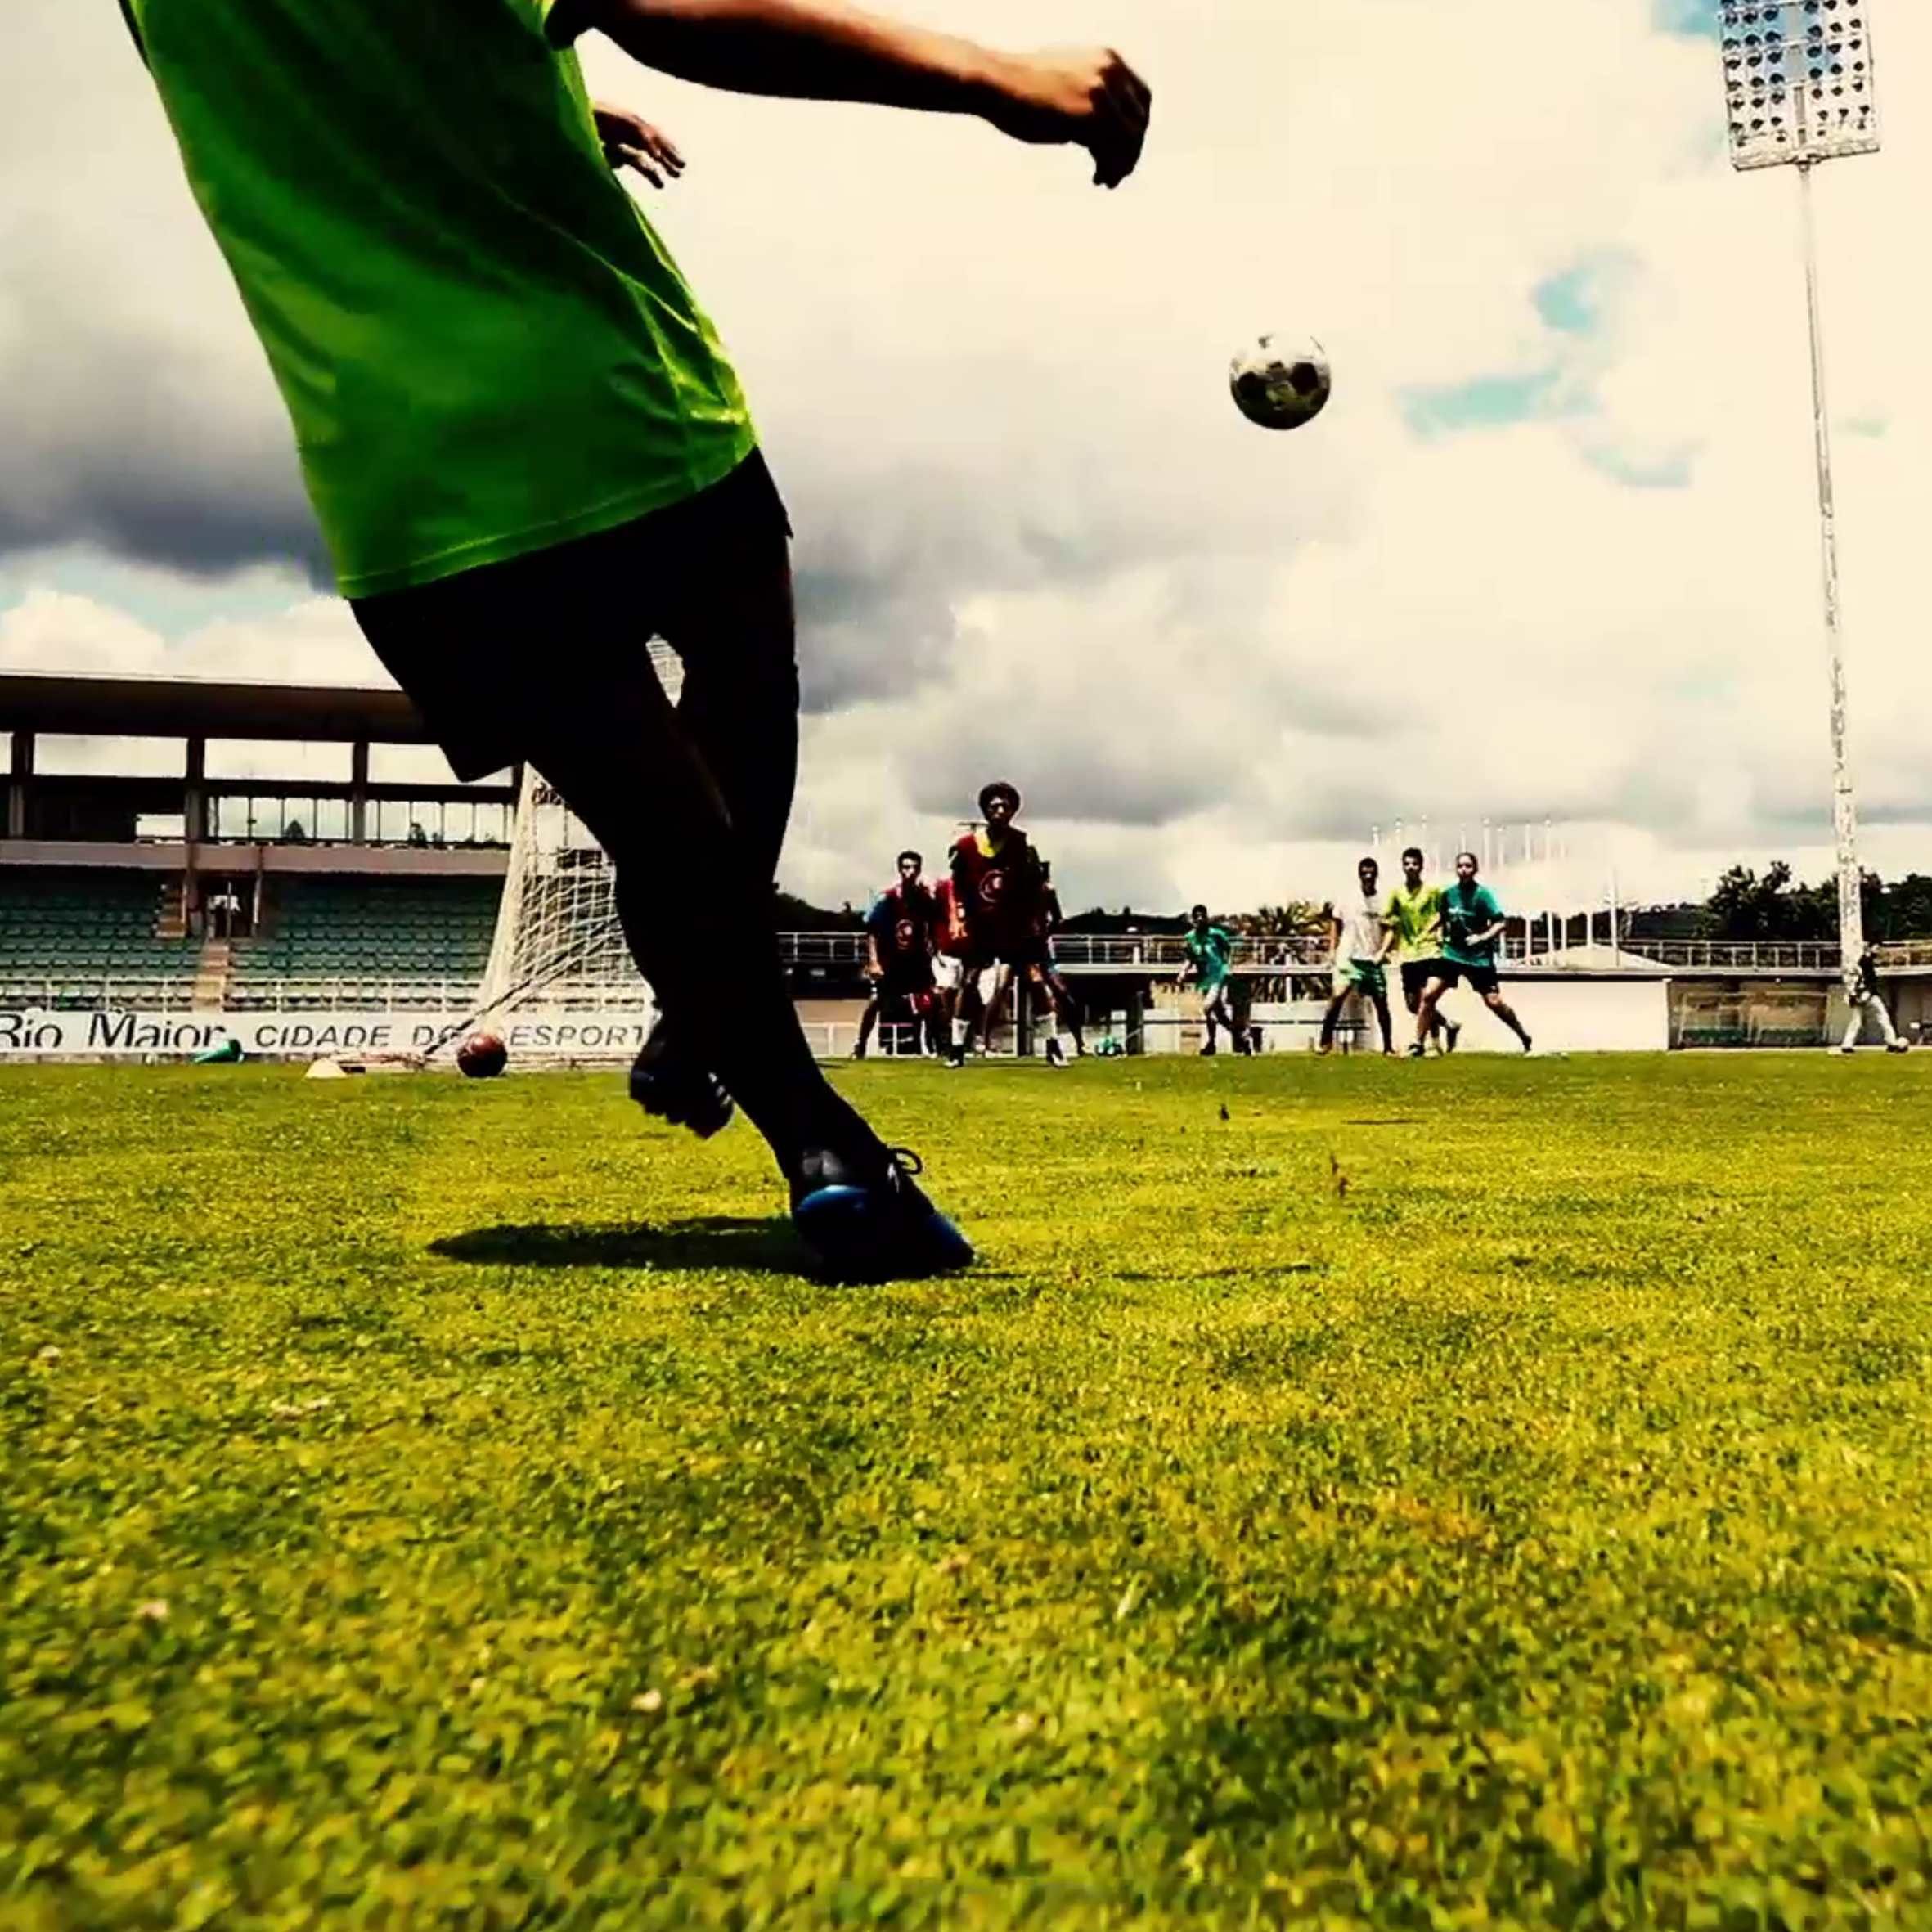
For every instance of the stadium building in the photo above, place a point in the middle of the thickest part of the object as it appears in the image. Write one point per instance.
(160, 890)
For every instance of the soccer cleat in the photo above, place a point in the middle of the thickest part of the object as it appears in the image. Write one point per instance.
(1056, 1055)
(859, 1050)
(866, 1221)
(671, 1088)
(1452, 1032)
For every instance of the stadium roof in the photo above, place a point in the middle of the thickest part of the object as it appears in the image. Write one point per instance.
(195, 707)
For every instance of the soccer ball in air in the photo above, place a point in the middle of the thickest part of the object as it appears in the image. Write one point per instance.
(1280, 382)
(482, 1056)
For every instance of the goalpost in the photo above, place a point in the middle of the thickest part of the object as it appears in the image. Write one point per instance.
(560, 984)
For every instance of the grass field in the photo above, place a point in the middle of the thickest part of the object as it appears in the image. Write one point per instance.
(1482, 1492)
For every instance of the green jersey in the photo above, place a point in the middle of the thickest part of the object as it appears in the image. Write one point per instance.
(1466, 910)
(482, 345)
(1209, 952)
(1416, 919)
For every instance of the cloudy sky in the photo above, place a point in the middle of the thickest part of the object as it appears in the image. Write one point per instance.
(1550, 553)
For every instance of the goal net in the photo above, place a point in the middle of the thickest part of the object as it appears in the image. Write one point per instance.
(560, 984)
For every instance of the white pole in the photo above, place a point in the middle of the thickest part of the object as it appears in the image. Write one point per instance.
(1843, 812)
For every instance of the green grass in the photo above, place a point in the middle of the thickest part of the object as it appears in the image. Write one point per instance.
(1484, 1493)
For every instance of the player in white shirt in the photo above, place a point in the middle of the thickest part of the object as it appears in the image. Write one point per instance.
(1868, 1004)
(1362, 937)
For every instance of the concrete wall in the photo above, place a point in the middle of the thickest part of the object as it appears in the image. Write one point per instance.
(1564, 1015)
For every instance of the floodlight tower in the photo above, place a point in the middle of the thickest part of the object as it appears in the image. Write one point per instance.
(1798, 84)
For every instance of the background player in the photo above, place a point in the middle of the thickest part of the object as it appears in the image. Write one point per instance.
(1473, 924)
(1061, 1006)
(998, 886)
(900, 932)
(949, 959)
(529, 451)
(1414, 915)
(1362, 940)
(1868, 1003)
(1210, 968)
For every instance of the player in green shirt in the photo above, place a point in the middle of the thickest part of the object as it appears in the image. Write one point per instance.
(1414, 914)
(1472, 925)
(528, 452)
(1211, 969)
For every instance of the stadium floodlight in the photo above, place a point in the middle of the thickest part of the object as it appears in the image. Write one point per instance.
(1799, 88)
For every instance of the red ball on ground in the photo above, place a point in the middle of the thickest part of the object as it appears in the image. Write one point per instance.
(482, 1056)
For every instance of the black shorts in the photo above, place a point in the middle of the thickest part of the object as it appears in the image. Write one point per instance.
(904, 983)
(469, 649)
(1481, 980)
(1416, 975)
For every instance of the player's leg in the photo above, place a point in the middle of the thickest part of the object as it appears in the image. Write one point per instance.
(1436, 984)
(1415, 978)
(1039, 978)
(993, 1006)
(1887, 1032)
(948, 976)
(869, 1019)
(1380, 1001)
(1854, 1027)
(1492, 998)
(967, 1003)
(1337, 998)
(1064, 1011)
(596, 723)
(1224, 1009)
(735, 637)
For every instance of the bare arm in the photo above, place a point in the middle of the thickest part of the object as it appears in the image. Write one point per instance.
(824, 50)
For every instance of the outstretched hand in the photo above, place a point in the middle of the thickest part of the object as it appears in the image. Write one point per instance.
(1090, 98)
(632, 142)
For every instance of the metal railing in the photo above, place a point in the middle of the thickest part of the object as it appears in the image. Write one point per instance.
(1165, 952)
(1156, 955)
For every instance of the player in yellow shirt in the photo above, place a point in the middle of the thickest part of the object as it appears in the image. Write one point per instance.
(1414, 914)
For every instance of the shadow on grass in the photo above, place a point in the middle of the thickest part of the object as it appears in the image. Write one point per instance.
(711, 1243)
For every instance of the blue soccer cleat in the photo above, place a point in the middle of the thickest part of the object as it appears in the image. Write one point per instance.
(867, 1222)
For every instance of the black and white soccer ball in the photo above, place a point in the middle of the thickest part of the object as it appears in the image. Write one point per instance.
(1280, 381)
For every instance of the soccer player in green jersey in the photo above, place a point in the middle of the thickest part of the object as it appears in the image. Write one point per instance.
(1414, 915)
(529, 453)
(1210, 955)
(1472, 926)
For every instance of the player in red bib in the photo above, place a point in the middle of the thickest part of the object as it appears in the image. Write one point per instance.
(899, 934)
(949, 954)
(1000, 889)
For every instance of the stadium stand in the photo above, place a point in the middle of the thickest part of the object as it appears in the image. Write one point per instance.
(344, 940)
(77, 937)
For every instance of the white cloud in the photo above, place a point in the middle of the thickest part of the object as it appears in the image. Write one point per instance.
(1034, 536)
